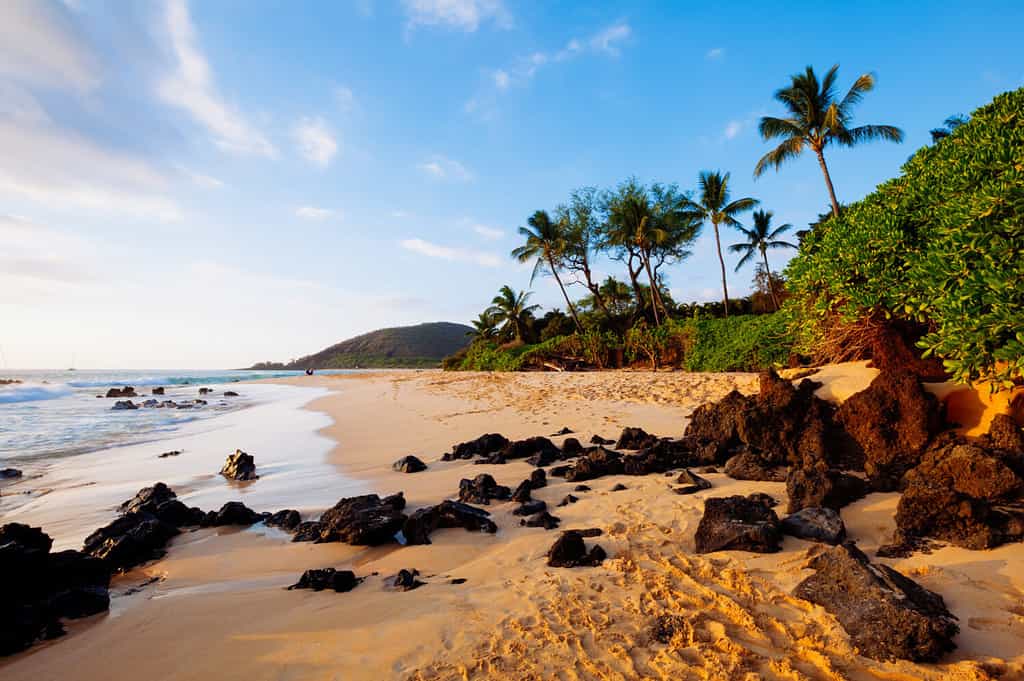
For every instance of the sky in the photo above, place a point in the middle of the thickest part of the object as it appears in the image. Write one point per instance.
(212, 184)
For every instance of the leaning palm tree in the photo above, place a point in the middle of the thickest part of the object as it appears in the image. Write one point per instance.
(760, 238)
(545, 243)
(817, 119)
(713, 206)
(511, 311)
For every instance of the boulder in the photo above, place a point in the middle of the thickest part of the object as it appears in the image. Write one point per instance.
(232, 513)
(819, 485)
(691, 483)
(308, 530)
(595, 464)
(737, 524)
(205, 391)
(127, 391)
(409, 464)
(569, 550)
(158, 391)
(1005, 434)
(522, 491)
(538, 479)
(538, 451)
(559, 471)
(366, 520)
(151, 404)
(9, 473)
(148, 499)
(230, 393)
(815, 524)
(887, 615)
(239, 466)
(481, 489)
(406, 580)
(448, 514)
(531, 508)
(749, 466)
(130, 540)
(327, 578)
(581, 488)
(571, 447)
(635, 438)
(542, 519)
(123, 405)
(892, 421)
(485, 445)
(618, 487)
(568, 499)
(600, 441)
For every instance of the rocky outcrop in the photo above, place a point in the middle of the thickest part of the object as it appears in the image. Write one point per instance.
(366, 520)
(542, 519)
(595, 464)
(485, 445)
(481, 489)
(233, 513)
(569, 550)
(127, 391)
(815, 524)
(691, 483)
(124, 405)
(39, 588)
(819, 485)
(288, 520)
(887, 615)
(327, 578)
(749, 466)
(409, 464)
(531, 507)
(538, 451)
(892, 421)
(418, 527)
(738, 524)
(635, 438)
(239, 466)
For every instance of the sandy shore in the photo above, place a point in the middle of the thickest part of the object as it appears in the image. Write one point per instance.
(219, 609)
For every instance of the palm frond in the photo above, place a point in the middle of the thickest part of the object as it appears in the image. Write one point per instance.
(745, 259)
(789, 149)
(864, 84)
(781, 244)
(870, 133)
(771, 127)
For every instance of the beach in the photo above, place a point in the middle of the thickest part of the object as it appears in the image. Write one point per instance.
(216, 606)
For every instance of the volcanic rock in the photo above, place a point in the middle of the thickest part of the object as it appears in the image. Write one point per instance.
(820, 485)
(737, 524)
(287, 520)
(569, 550)
(485, 445)
(542, 519)
(531, 508)
(409, 464)
(406, 580)
(366, 520)
(418, 527)
(749, 466)
(635, 438)
(327, 578)
(815, 524)
(8, 473)
(122, 405)
(127, 391)
(239, 466)
(481, 489)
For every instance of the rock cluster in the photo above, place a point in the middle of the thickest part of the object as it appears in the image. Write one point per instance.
(481, 489)
(366, 520)
(127, 391)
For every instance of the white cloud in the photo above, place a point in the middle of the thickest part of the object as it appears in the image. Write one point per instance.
(40, 44)
(316, 141)
(192, 89)
(36, 256)
(732, 129)
(432, 250)
(715, 53)
(345, 98)
(315, 213)
(607, 40)
(201, 180)
(463, 15)
(444, 168)
(489, 233)
(501, 79)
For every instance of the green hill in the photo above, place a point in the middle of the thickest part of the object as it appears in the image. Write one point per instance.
(419, 346)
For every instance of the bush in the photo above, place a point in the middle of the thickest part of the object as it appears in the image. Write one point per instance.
(941, 245)
(739, 343)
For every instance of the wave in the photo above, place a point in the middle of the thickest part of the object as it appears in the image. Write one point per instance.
(149, 380)
(30, 392)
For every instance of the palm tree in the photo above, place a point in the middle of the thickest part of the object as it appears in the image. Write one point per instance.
(509, 309)
(760, 238)
(713, 206)
(816, 119)
(949, 126)
(545, 241)
(484, 327)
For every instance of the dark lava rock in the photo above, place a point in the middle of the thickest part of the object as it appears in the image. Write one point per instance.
(38, 588)
(569, 550)
(481, 489)
(538, 479)
(457, 580)
(635, 438)
(485, 445)
(173, 452)
(158, 391)
(559, 471)
(522, 491)
(239, 466)
(148, 499)
(600, 441)
(531, 508)
(816, 524)
(893, 421)
(691, 483)
(708, 470)
(308, 530)
(1005, 434)
(568, 499)
(590, 532)
(232, 513)
(595, 464)
(581, 488)
(542, 519)
(409, 464)
(571, 447)
(965, 494)
(820, 485)
(418, 527)
(365, 520)
(8, 473)
(618, 487)
(327, 578)
(737, 524)
(887, 615)
(406, 580)
(287, 520)
(122, 405)
(669, 628)
(127, 391)
(538, 451)
(230, 393)
(205, 391)
(565, 430)
(750, 466)
(762, 498)
(130, 540)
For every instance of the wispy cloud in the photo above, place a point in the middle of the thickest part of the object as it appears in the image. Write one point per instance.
(489, 233)
(191, 88)
(444, 168)
(202, 180)
(432, 250)
(715, 53)
(41, 44)
(732, 129)
(345, 98)
(607, 41)
(315, 213)
(316, 141)
(462, 15)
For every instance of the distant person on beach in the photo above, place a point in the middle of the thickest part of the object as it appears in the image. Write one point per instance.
(309, 372)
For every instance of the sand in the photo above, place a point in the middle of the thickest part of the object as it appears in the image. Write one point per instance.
(219, 608)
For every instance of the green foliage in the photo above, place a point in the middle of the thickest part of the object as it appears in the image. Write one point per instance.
(739, 343)
(942, 244)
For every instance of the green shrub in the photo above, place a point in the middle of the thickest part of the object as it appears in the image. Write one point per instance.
(739, 343)
(942, 245)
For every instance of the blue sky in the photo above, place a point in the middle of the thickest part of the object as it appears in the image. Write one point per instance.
(209, 184)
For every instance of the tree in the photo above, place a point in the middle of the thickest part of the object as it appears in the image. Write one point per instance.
(484, 327)
(713, 206)
(582, 216)
(509, 309)
(545, 242)
(949, 126)
(816, 119)
(649, 225)
(761, 237)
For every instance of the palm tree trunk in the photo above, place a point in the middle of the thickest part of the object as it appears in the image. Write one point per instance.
(654, 293)
(721, 261)
(572, 310)
(828, 183)
(771, 284)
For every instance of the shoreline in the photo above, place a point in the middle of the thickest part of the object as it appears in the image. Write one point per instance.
(220, 601)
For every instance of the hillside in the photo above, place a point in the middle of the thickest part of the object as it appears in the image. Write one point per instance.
(422, 345)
